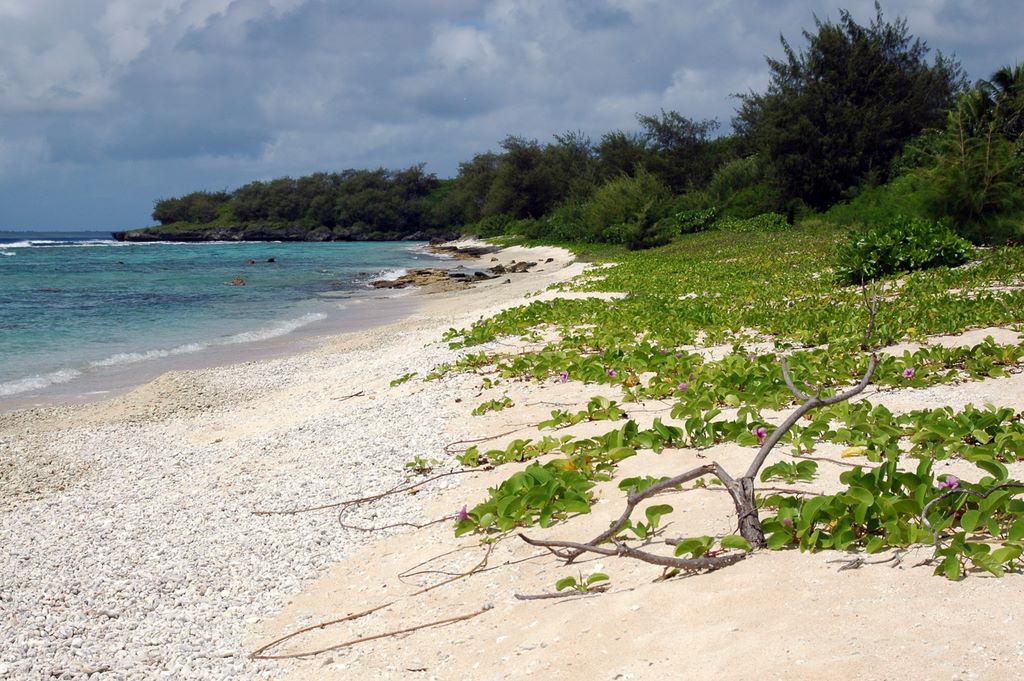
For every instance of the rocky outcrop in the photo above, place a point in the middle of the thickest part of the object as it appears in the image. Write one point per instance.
(436, 278)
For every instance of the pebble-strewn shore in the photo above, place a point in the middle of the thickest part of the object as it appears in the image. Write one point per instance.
(130, 546)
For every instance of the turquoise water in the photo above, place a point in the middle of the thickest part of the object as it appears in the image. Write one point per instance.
(72, 304)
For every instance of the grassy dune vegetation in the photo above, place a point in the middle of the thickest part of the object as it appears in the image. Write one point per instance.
(762, 295)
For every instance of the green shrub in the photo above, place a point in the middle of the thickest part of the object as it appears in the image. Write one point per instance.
(903, 244)
(765, 222)
(909, 195)
(529, 228)
(622, 206)
(694, 220)
(492, 225)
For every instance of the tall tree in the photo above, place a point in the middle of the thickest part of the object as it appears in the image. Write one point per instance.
(837, 113)
(679, 145)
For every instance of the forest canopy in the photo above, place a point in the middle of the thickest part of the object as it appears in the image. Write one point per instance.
(859, 124)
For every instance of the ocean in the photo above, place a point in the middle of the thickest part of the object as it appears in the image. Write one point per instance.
(82, 314)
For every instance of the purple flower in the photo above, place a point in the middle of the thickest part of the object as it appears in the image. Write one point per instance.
(951, 482)
(908, 372)
(665, 351)
(761, 434)
(463, 514)
(683, 386)
(613, 373)
(564, 376)
(679, 355)
(788, 522)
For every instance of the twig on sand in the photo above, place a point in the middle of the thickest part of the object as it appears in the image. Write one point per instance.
(349, 397)
(859, 561)
(261, 652)
(591, 591)
(372, 497)
(417, 526)
(449, 448)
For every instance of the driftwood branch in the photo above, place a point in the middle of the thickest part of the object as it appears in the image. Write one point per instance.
(741, 490)
(704, 563)
(590, 591)
(373, 497)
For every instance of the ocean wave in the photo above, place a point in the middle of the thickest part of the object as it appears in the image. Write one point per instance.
(22, 385)
(7, 254)
(267, 333)
(55, 243)
(274, 331)
(133, 357)
(388, 275)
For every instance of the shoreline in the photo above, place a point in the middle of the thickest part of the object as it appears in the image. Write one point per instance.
(355, 310)
(132, 543)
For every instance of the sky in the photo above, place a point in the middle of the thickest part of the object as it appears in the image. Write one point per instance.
(108, 105)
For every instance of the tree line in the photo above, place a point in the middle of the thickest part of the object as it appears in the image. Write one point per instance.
(861, 119)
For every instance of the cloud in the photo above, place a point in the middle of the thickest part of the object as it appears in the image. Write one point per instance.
(213, 93)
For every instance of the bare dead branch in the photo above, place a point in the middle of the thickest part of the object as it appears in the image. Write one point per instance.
(349, 397)
(416, 526)
(810, 403)
(704, 563)
(631, 503)
(860, 561)
(372, 497)
(450, 447)
(260, 654)
(591, 591)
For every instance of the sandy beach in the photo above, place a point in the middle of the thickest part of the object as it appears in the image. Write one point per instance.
(172, 531)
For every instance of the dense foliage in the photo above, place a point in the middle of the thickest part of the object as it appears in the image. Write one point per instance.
(837, 113)
(856, 126)
(354, 204)
(900, 245)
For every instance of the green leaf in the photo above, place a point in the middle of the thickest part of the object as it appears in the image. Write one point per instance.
(950, 568)
(735, 541)
(969, 520)
(860, 496)
(1006, 553)
(993, 467)
(565, 583)
(654, 514)
(981, 436)
(597, 577)
(1016, 531)
(620, 453)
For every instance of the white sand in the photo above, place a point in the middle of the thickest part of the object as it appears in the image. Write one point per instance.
(131, 545)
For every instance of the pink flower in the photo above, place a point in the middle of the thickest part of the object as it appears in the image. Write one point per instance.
(463, 514)
(612, 373)
(908, 372)
(683, 386)
(761, 434)
(951, 482)
(564, 376)
(788, 522)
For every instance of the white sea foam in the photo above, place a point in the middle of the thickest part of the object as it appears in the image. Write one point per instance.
(133, 357)
(269, 332)
(276, 330)
(22, 385)
(389, 275)
(7, 254)
(51, 243)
